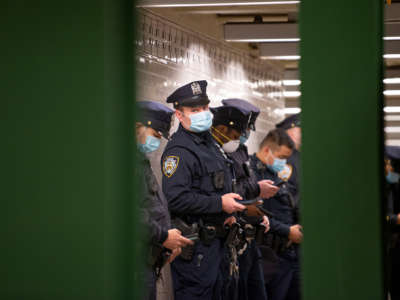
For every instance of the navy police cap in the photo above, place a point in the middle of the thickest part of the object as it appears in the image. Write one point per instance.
(192, 94)
(230, 116)
(155, 115)
(247, 108)
(290, 122)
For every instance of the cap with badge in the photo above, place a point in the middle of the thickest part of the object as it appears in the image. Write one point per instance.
(230, 116)
(191, 94)
(246, 108)
(155, 115)
(290, 122)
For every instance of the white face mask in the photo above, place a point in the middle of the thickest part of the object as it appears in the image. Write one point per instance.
(231, 146)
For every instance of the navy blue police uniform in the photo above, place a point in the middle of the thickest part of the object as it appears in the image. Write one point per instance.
(154, 207)
(392, 232)
(241, 116)
(292, 172)
(195, 176)
(282, 206)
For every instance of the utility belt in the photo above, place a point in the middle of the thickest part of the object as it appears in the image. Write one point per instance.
(276, 242)
(206, 233)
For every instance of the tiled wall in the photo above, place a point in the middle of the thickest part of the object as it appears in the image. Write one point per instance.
(169, 56)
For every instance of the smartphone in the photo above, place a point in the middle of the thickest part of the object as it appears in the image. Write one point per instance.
(280, 183)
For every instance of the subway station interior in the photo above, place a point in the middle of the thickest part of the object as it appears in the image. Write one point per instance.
(72, 182)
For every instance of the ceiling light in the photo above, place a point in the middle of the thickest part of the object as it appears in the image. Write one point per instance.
(391, 56)
(391, 38)
(391, 93)
(282, 57)
(392, 118)
(291, 82)
(395, 80)
(213, 3)
(391, 109)
(264, 40)
(392, 129)
(291, 94)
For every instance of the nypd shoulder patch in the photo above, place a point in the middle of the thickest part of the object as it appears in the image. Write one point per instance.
(170, 165)
(286, 172)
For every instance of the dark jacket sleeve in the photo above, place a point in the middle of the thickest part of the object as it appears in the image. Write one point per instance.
(279, 227)
(178, 185)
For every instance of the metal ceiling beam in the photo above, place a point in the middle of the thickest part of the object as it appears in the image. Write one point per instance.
(279, 32)
(278, 49)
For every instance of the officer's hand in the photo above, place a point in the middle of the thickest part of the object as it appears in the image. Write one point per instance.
(176, 240)
(267, 189)
(229, 204)
(230, 221)
(265, 222)
(398, 219)
(295, 234)
(174, 254)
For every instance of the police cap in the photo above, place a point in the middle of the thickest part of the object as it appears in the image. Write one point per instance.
(247, 108)
(191, 94)
(155, 115)
(230, 116)
(289, 122)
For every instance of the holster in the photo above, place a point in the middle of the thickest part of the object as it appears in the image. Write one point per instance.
(276, 242)
(187, 231)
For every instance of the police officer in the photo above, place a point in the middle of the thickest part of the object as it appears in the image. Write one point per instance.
(269, 163)
(392, 208)
(197, 181)
(292, 169)
(163, 243)
(233, 120)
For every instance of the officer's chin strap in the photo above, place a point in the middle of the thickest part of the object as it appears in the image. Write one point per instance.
(221, 134)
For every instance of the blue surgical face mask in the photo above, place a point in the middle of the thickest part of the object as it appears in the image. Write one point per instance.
(152, 143)
(244, 137)
(201, 121)
(278, 164)
(392, 177)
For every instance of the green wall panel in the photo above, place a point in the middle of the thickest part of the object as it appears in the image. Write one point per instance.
(341, 73)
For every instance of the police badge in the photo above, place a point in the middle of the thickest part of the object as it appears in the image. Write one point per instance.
(196, 89)
(286, 172)
(170, 165)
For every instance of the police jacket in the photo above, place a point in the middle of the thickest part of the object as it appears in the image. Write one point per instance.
(294, 176)
(246, 181)
(392, 205)
(281, 205)
(153, 207)
(195, 176)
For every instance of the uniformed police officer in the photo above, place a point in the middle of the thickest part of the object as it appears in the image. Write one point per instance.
(163, 243)
(392, 208)
(197, 181)
(232, 123)
(292, 174)
(292, 170)
(269, 163)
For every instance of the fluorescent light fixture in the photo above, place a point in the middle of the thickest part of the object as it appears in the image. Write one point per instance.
(264, 40)
(391, 38)
(282, 57)
(392, 118)
(394, 80)
(392, 142)
(291, 94)
(391, 93)
(391, 109)
(391, 56)
(291, 82)
(214, 3)
(291, 110)
(392, 129)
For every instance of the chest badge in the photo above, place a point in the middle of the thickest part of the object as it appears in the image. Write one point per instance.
(286, 172)
(170, 165)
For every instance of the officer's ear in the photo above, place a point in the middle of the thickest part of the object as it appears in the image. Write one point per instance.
(179, 113)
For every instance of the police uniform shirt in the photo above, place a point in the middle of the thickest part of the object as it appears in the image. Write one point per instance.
(281, 205)
(195, 176)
